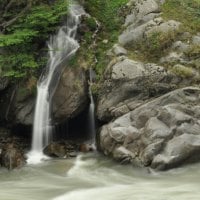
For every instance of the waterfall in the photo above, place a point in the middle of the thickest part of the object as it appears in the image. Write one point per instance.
(91, 109)
(62, 47)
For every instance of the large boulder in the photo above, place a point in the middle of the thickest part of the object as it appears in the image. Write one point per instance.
(160, 134)
(129, 84)
(71, 96)
(134, 35)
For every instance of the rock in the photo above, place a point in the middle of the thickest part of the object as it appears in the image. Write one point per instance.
(3, 83)
(134, 35)
(55, 150)
(128, 84)
(163, 27)
(71, 96)
(67, 149)
(119, 51)
(86, 148)
(11, 157)
(196, 40)
(161, 134)
(24, 112)
(17, 105)
(180, 46)
(142, 11)
(61, 150)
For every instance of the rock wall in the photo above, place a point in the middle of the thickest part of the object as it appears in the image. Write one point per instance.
(151, 114)
(162, 134)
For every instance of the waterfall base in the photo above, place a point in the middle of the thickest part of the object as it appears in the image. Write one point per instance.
(36, 157)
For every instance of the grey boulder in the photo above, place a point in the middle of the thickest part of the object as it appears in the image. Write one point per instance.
(161, 134)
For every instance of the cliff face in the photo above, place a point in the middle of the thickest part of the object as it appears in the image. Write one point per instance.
(25, 28)
(154, 55)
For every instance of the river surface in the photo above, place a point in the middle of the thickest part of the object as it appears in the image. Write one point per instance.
(94, 177)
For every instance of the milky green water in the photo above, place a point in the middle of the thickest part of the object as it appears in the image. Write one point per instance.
(93, 177)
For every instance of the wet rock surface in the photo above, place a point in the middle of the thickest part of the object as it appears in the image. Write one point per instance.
(12, 150)
(12, 157)
(71, 96)
(161, 134)
(67, 149)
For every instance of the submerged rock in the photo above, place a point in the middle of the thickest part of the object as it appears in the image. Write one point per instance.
(162, 134)
(67, 149)
(61, 149)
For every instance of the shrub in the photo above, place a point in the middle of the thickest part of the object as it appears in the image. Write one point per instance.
(22, 41)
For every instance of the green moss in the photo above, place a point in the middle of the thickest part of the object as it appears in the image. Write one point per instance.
(182, 71)
(107, 13)
(193, 52)
(185, 11)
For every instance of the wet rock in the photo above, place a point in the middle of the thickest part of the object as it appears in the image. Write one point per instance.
(162, 134)
(12, 157)
(3, 83)
(61, 149)
(71, 97)
(86, 148)
(17, 105)
(67, 149)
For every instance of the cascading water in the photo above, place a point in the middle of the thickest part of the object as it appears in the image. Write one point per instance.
(91, 109)
(61, 48)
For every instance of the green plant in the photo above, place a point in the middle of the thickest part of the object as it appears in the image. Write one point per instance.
(182, 71)
(185, 11)
(107, 13)
(23, 41)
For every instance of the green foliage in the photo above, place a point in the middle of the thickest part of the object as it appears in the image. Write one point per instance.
(193, 52)
(17, 38)
(108, 14)
(185, 11)
(157, 43)
(182, 71)
(23, 41)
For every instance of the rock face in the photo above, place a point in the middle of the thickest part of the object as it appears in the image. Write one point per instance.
(17, 103)
(162, 134)
(71, 96)
(3, 83)
(128, 84)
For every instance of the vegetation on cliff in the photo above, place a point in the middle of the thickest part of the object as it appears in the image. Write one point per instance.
(109, 17)
(25, 27)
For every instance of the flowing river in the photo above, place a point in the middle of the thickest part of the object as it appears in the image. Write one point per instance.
(92, 176)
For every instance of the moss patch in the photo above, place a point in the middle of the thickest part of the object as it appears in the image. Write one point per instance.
(185, 11)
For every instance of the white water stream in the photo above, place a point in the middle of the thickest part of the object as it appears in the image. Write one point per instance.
(91, 118)
(62, 46)
(93, 177)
